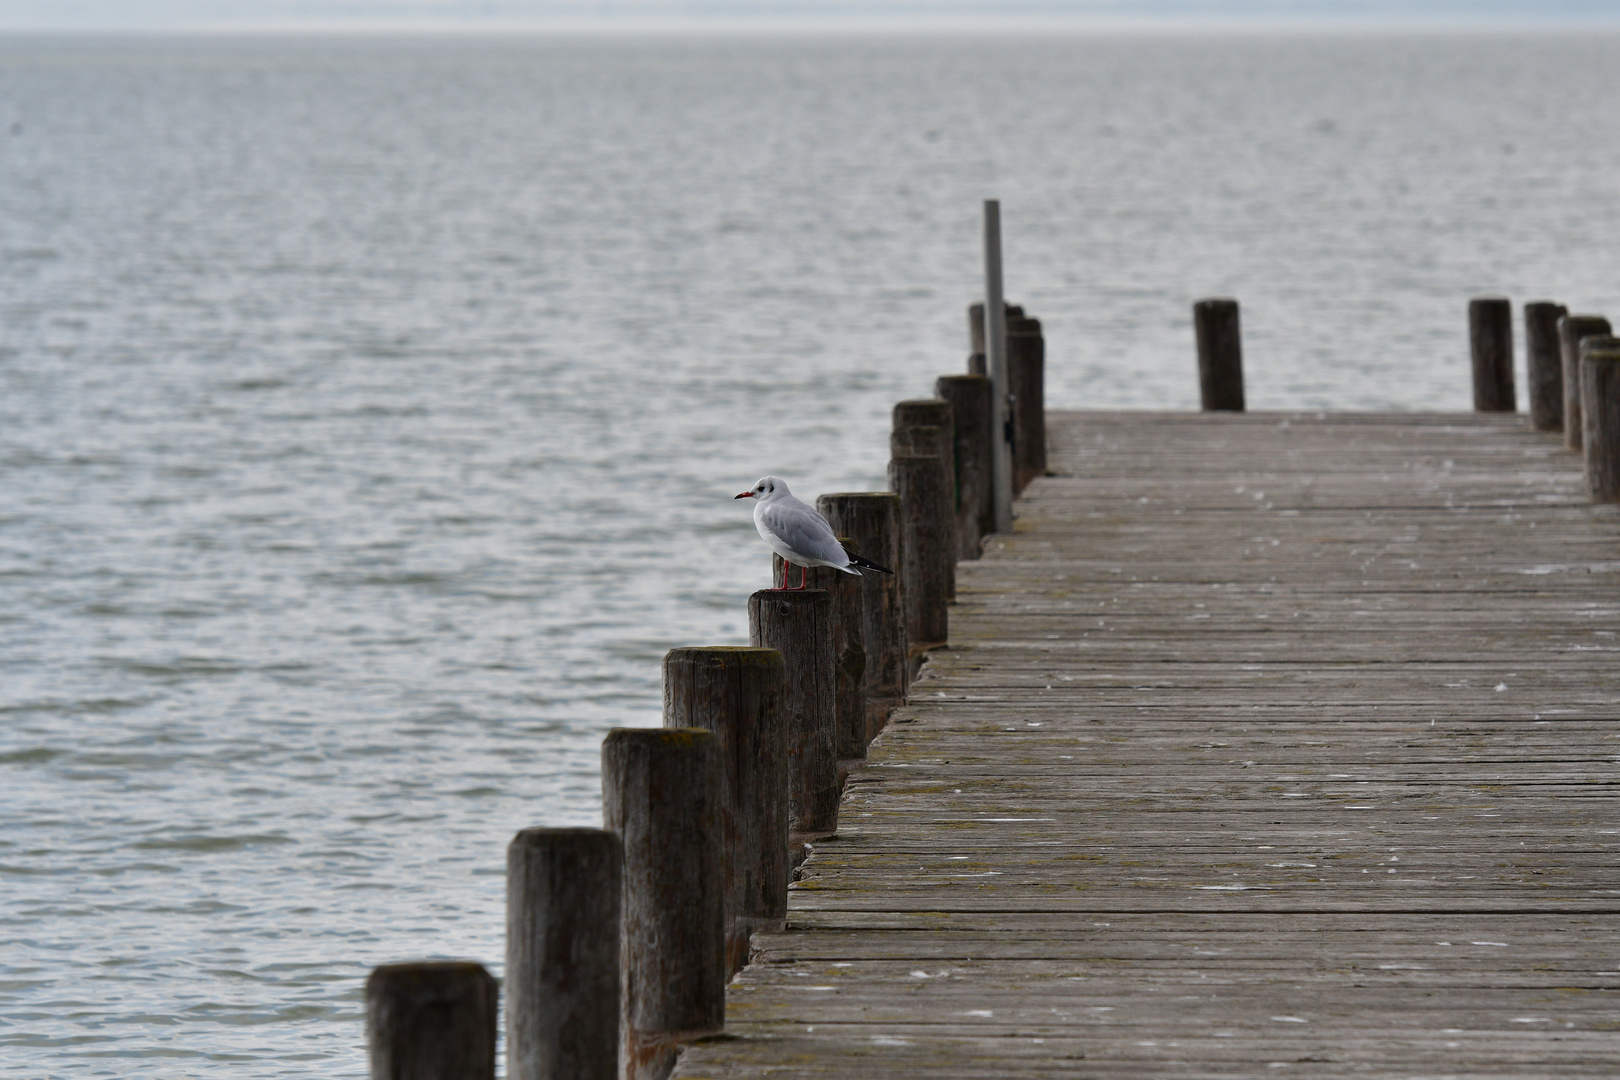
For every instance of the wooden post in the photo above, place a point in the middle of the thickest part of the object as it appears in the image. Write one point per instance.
(932, 442)
(1026, 376)
(431, 1022)
(976, 329)
(661, 794)
(1544, 370)
(799, 626)
(1490, 341)
(969, 396)
(995, 351)
(563, 895)
(1571, 329)
(1600, 415)
(923, 562)
(848, 594)
(871, 519)
(737, 693)
(926, 426)
(1220, 354)
(977, 366)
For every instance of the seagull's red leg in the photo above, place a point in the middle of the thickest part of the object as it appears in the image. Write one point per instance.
(784, 575)
(803, 570)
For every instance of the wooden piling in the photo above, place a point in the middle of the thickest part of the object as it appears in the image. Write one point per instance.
(1220, 354)
(939, 443)
(976, 324)
(871, 520)
(924, 562)
(969, 396)
(977, 365)
(661, 794)
(1026, 385)
(799, 626)
(848, 593)
(1490, 342)
(1571, 329)
(937, 413)
(1600, 416)
(431, 1021)
(737, 693)
(1544, 370)
(563, 896)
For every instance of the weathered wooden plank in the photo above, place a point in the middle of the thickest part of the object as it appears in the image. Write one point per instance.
(1264, 742)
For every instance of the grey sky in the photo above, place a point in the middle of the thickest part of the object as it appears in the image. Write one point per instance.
(472, 14)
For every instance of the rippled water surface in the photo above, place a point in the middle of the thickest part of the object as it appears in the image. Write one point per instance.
(370, 412)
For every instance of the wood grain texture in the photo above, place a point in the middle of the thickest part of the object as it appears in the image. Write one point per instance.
(1600, 416)
(1026, 385)
(738, 694)
(1216, 327)
(431, 1021)
(969, 396)
(871, 520)
(1265, 744)
(1571, 329)
(799, 626)
(1490, 340)
(661, 794)
(927, 555)
(1544, 367)
(940, 538)
(563, 904)
(848, 622)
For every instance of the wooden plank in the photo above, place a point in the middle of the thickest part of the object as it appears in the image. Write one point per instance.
(1266, 743)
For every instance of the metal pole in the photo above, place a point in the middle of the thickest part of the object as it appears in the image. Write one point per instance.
(995, 347)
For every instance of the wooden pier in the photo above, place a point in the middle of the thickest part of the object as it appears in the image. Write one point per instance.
(1265, 745)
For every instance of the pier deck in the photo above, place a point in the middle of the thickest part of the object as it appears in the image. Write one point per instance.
(1266, 745)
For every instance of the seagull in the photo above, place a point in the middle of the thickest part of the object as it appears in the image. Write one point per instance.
(799, 534)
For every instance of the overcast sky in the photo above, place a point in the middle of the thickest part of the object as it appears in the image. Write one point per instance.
(474, 14)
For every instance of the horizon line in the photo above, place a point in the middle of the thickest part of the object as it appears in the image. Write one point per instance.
(1009, 25)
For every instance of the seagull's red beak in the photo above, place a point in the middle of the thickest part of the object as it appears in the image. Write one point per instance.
(744, 495)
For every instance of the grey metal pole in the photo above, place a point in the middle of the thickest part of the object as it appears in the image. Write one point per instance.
(995, 346)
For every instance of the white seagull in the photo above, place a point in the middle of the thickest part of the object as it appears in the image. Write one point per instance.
(799, 534)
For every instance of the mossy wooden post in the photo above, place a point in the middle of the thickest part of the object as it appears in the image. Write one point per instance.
(799, 626)
(431, 1021)
(737, 693)
(969, 396)
(1026, 379)
(564, 889)
(661, 794)
(848, 592)
(1220, 354)
(1600, 416)
(1544, 367)
(871, 520)
(1490, 343)
(923, 563)
(1571, 329)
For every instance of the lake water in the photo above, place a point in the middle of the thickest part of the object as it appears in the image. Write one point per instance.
(370, 411)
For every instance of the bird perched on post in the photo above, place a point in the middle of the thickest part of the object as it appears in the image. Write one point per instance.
(799, 534)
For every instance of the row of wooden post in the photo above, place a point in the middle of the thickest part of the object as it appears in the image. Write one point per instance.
(1572, 361)
(620, 940)
(1573, 367)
